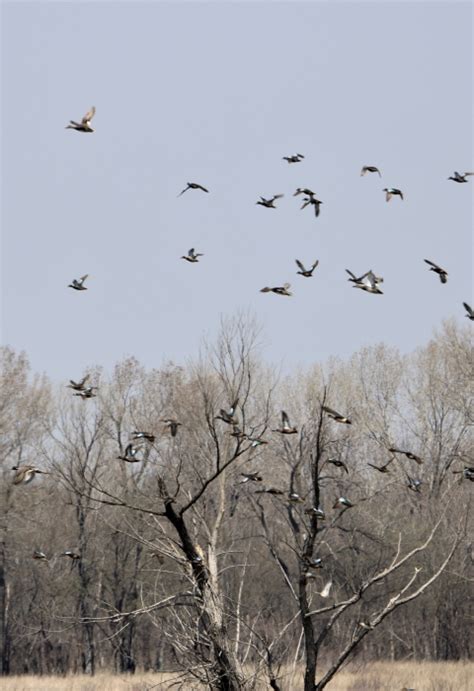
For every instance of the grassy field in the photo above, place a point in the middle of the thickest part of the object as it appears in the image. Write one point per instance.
(378, 676)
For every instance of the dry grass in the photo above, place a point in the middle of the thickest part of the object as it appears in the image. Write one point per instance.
(377, 676)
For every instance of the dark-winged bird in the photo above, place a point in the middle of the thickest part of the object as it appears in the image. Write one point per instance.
(79, 385)
(392, 191)
(457, 177)
(269, 203)
(408, 454)
(306, 272)
(469, 311)
(370, 169)
(296, 158)
(193, 186)
(443, 275)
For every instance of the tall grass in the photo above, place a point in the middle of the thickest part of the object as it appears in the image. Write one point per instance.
(377, 676)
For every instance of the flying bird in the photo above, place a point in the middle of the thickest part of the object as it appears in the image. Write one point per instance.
(85, 124)
(414, 484)
(469, 311)
(353, 278)
(380, 468)
(192, 256)
(315, 511)
(278, 290)
(336, 416)
(172, 425)
(250, 477)
(457, 177)
(306, 272)
(193, 186)
(316, 203)
(130, 454)
(41, 556)
(443, 275)
(296, 158)
(87, 393)
(79, 385)
(342, 502)
(390, 192)
(295, 498)
(370, 283)
(25, 474)
(467, 473)
(304, 190)
(339, 464)
(285, 428)
(144, 435)
(408, 454)
(269, 203)
(370, 169)
(74, 556)
(78, 284)
(228, 415)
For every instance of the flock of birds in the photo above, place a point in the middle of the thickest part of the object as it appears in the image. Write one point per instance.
(368, 282)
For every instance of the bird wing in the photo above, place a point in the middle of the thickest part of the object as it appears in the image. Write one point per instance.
(83, 278)
(201, 187)
(183, 191)
(352, 276)
(276, 196)
(88, 116)
(468, 309)
(285, 419)
(433, 264)
(315, 264)
(330, 411)
(287, 286)
(300, 265)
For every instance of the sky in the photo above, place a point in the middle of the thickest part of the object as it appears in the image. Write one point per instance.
(218, 93)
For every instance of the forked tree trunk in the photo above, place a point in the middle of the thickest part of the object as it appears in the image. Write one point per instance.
(225, 666)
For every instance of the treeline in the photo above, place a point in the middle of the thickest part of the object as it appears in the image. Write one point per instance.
(201, 553)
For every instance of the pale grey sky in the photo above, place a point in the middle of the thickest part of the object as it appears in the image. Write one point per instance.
(217, 93)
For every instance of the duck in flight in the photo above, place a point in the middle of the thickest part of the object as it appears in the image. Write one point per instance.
(278, 290)
(337, 417)
(85, 124)
(391, 192)
(285, 428)
(130, 454)
(457, 177)
(193, 186)
(78, 283)
(442, 273)
(79, 385)
(316, 203)
(306, 272)
(408, 454)
(270, 203)
(370, 169)
(192, 256)
(469, 311)
(296, 158)
(172, 425)
(25, 473)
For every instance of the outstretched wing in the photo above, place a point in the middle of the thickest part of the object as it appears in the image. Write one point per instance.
(300, 265)
(433, 264)
(88, 116)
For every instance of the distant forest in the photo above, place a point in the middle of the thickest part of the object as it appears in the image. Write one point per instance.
(175, 519)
